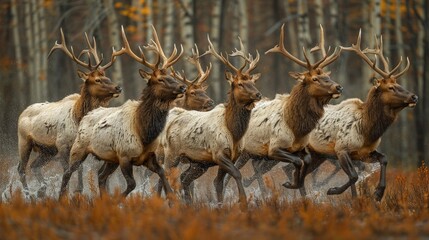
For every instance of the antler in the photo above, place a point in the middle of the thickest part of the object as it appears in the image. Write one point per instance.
(378, 51)
(202, 75)
(92, 50)
(248, 59)
(155, 46)
(63, 46)
(326, 60)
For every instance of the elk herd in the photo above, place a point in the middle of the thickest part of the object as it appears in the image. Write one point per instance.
(175, 121)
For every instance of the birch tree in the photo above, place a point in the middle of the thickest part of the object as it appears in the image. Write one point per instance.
(187, 31)
(215, 37)
(115, 40)
(304, 37)
(18, 54)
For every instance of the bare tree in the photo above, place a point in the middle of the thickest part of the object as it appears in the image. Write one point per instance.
(215, 36)
(114, 39)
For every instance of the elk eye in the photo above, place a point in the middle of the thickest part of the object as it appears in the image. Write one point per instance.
(97, 80)
(161, 80)
(192, 93)
(391, 88)
(240, 85)
(315, 79)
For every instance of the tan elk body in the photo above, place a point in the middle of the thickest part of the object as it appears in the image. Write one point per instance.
(214, 137)
(50, 128)
(352, 129)
(279, 129)
(128, 135)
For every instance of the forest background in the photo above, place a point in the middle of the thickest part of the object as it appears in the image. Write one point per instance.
(29, 29)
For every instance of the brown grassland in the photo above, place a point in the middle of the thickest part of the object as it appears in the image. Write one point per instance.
(403, 213)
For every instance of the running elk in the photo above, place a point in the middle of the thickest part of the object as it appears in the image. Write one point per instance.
(215, 137)
(279, 129)
(352, 130)
(50, 128)
(128, 135)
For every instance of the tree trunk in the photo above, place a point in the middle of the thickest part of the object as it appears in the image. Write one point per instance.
(215, 37)
(187, 32)
(304, 37)
(115, 40)
(21, 82)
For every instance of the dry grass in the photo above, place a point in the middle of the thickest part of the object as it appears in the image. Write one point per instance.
(403, 213)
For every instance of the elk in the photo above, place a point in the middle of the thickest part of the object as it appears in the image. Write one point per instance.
(359, 125)
(128, 135)
(279, 129)
(49, 129)
(206, 139)
(195, 98)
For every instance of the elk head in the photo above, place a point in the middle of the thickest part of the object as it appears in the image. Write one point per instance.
(386, 88)
(95, 82)
(243, 88)
(317, 81)
(163, 86)
(196, 97)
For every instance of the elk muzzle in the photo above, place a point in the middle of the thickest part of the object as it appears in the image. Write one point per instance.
(412, 102)
(118, 91)
(209, 105)
(337, 90)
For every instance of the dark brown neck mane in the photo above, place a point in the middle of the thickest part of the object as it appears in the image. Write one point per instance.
(85, 103)
(376, 117)
(303, 110)
(237, 118)
(151, 115)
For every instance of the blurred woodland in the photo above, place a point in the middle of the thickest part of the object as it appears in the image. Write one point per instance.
(29, 29)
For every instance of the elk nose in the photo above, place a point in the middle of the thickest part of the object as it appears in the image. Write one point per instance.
(118, 89)
(339, 88)
(210, 103)
(258, 96)
(182, 88)
(414, 98)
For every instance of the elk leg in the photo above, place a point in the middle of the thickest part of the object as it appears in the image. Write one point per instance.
(330, 176)
(36, 167)
(218, 183)
(127, 171)
(76, 159)
(226, 164)
(103, 173)
(347, 165)
(153, 165)
(239, 164)
(261, 166)
(284, 156)
(379, 191)
(24, 153)
(167, 166)
(194, 171)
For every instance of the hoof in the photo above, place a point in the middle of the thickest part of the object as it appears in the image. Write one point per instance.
(289, 185)
(378, 194)
(334, 191)
(246, 182)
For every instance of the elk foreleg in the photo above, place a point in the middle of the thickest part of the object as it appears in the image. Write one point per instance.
(226, 164)
(76, 159)
(347, 165)
(127, 170)
(153, 165)
(287, 157)
(36, 167)
(103, 173)
(239, 164)
(194, 171)
(25, 148)
(379, 191)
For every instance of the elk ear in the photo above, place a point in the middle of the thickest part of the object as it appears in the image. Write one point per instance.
(255, 77)
(82, 75)
(145, 75)
(298, 76)
(376, 82)
(229, 77)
